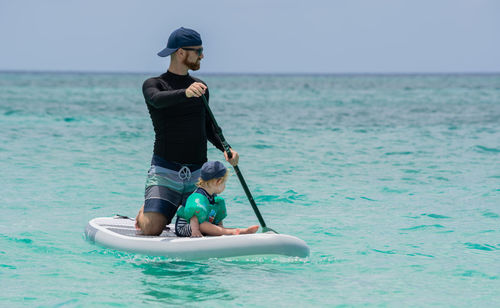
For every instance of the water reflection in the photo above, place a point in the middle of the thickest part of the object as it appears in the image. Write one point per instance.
(181, 282)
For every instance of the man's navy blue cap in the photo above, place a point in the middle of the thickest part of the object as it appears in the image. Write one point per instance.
(181, 37)
(212, 170)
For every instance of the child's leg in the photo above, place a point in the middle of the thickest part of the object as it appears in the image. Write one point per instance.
(211, 229)
(182, 227)
(249, 230)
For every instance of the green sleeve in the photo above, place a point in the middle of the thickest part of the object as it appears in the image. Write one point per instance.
(195, 206)
(220, 204)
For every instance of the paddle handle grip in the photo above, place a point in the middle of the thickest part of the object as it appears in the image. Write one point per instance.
(227, 148)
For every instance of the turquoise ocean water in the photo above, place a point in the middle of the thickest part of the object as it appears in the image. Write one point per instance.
(392, 180)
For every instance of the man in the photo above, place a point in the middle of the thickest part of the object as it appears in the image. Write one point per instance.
(182, 128)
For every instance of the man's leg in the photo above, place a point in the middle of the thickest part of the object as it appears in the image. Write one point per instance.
(158, 210)
(150, 223)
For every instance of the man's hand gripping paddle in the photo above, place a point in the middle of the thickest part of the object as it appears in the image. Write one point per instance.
(227, 148)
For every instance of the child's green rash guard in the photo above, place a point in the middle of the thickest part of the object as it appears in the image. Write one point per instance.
(198, 205)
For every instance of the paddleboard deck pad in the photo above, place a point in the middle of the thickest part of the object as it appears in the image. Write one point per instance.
(118, 232)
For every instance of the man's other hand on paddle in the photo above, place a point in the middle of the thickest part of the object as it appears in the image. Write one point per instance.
(196, 89)
(234, 160)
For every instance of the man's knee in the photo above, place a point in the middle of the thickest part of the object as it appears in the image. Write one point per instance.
(152, 223)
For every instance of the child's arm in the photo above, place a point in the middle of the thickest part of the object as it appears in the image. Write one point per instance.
(195, 227)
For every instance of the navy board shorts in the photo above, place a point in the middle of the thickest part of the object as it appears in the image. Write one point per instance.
(168, 185)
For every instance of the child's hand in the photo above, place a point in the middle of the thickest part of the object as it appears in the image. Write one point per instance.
(195, 227)
(196, 233)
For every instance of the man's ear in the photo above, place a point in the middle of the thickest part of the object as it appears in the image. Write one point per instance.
(180, 52)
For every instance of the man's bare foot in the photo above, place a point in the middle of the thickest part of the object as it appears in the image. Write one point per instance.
(138, 217)
(250, 230)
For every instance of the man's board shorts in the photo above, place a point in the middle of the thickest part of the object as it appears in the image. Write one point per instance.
(168, 185)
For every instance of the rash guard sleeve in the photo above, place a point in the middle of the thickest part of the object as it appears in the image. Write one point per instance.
(158, 98)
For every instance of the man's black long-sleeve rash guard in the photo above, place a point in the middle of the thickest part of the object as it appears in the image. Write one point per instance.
(182, 126)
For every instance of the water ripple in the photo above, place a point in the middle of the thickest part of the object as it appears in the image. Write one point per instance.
(17, 239)
(483, 149)
(399, 153)
(491, 215)
(473, 273)
(289, 196)
(389, 252)
(420, 255)
(437, 216)
(422, 227)
(485, 247)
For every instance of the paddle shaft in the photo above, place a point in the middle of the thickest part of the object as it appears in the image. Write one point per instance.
(227, 148)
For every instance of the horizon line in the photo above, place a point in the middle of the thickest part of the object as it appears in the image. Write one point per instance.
(252, 73)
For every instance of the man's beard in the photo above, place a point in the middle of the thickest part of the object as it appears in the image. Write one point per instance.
(194, 66)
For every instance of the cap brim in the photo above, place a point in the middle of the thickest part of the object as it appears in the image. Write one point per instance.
(166, 52)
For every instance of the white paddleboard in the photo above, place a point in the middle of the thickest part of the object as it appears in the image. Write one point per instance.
(119, 233)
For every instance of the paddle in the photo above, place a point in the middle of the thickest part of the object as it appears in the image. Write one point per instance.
(227, 148)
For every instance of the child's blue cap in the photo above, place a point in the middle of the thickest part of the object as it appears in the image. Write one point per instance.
(181, 37)
(212, 170)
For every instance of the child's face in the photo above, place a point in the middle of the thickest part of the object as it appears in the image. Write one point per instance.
(220, 185)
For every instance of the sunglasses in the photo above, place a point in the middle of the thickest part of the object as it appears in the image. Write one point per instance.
(198, 50)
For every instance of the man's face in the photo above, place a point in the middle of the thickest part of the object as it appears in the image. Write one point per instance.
(193, 57)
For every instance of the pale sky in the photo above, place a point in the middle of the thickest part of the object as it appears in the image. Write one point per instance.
(258, 36)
